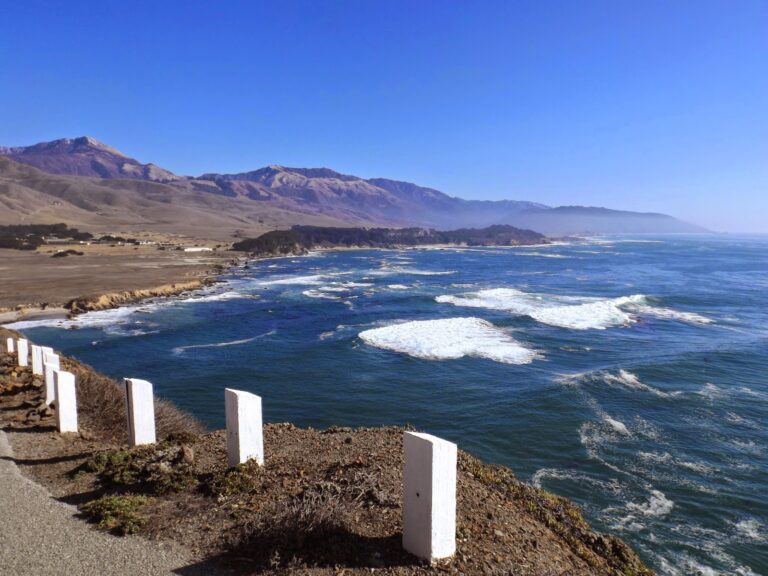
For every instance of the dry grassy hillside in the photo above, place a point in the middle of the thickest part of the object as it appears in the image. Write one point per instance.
(28, 195)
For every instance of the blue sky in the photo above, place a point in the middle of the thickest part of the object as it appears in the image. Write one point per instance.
(653, 106)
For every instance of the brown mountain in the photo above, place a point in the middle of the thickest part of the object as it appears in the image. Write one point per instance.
(306, 196)
(85, 156)
(28, 195)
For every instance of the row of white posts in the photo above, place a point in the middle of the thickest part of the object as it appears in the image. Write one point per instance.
(429, 475)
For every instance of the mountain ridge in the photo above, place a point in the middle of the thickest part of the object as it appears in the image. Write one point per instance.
(325, 193)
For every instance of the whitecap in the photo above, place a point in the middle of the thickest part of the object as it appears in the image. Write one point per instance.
(741, 420)
(657, 505)
(611, 486)
(630, 380)
(320, 294)
(751, 529)
(298, 280)
(394, 270)
(663, 458)
(222, 296)
(448, 339)
(710, 391)
(619, 427)
(397, 286)
(541, 255)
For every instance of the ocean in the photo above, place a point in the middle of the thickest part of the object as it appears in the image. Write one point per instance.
(629, 374)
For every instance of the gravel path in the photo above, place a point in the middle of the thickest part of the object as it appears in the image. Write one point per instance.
(40, 536)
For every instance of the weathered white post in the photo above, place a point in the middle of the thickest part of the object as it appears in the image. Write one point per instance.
(429, 507)
(46, 350)
(37, 360)
(244, 427)
(23, 352)
(50, 363)
(50, 359)
(66, 401)
(10, 348)
(141, 412)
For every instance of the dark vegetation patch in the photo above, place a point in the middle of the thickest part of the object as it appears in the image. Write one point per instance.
(31, 236)
(65, 253)
(300, 239)
(118, 514)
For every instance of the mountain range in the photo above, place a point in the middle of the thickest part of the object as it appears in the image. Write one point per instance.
(84, 182)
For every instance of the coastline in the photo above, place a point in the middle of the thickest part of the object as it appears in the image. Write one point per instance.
(133, 279)
(117, 299)
(123, 295)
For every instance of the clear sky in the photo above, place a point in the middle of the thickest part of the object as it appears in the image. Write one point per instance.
(645, 105)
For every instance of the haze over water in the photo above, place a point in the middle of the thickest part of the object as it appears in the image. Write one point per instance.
(627, 374)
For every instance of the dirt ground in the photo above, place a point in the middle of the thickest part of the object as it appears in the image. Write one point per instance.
(325, 502)
(35, 278)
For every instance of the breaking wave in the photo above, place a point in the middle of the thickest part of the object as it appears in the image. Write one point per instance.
(448, 339)
(578, 313)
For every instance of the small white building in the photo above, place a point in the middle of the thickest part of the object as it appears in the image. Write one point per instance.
(198, 249)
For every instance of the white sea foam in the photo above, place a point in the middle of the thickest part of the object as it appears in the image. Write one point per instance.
(97, 319)
(630, 380)
(450, 338)
(619, 427)
(541, 255)
(741, 420)
(579, 313)
(182, 349)
(710, 392)
(746, 446)
(320, 294)
(395, 270)
(752, 529)
(222, 296)
(622, 378)
(551, 310)
(295, 280)
(610, 486)
(657, 505)
(397, 286)
(655, 457)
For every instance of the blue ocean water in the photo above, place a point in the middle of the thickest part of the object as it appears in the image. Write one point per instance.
(628, 374)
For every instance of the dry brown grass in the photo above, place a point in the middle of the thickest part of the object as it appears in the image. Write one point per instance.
(101, 407)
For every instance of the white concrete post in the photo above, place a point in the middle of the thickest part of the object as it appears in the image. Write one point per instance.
(429, 506)
(141, 412)
(23, 352)
(244, 427)
(66, 401)
(46, 350)
(37, 360)
(10, 348)
(50, 363)
(50, 359)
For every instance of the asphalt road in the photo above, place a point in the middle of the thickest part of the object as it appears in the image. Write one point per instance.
(41, 536)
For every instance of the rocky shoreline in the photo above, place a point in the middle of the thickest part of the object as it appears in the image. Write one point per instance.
(336, 512)
(117, 299)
